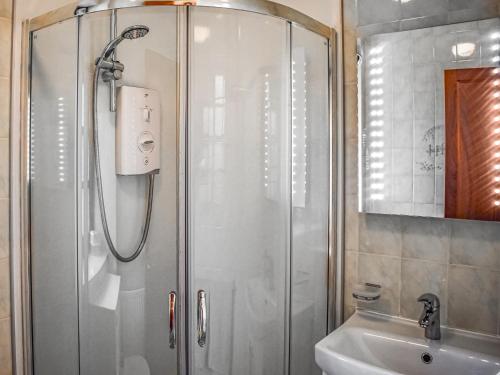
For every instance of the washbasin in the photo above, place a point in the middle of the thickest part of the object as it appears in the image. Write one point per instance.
(375, 344)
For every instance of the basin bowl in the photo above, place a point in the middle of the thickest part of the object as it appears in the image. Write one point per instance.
(375, 344)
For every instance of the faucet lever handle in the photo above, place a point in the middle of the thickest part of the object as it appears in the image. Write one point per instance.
(431, 301)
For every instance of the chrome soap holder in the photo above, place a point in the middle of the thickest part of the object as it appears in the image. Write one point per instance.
(367, 292)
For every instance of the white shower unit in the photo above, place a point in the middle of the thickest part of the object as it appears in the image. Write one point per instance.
(222, 111)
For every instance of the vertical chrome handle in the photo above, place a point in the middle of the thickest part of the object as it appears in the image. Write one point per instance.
(172, 312)
(202, 318)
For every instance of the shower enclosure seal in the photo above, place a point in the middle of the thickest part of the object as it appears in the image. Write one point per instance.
(20, 259)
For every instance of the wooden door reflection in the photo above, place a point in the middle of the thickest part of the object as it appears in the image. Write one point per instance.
(472, 183)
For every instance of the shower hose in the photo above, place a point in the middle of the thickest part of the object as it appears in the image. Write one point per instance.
(102, 207)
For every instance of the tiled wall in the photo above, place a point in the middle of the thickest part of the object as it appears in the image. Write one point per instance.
(458, 260)
(5, 47)
(403, 111)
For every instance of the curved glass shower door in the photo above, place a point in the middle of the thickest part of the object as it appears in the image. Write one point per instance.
(124, 307)
(239, 226)
(239, 191)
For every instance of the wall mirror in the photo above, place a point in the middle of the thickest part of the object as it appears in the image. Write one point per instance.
(430, 121)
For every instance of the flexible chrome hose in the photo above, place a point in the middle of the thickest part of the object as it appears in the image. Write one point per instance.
(102, 207)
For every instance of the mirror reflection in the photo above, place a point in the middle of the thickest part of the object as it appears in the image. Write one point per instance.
(430, 119)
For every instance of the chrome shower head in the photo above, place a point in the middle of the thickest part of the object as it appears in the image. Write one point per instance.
(135, 32)
(131, 32)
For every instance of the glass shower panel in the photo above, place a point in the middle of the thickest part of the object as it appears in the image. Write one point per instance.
(310, 198)
(53, 198)
(238, 189)
(124, 312)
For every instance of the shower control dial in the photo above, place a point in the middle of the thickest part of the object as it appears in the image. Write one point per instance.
(137, 131)
(146, 142)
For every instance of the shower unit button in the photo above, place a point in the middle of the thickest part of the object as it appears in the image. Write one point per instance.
(137, 131)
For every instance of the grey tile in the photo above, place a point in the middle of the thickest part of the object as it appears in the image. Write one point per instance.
(424, 209)
(402, 208)
(423, 8)
(445, 41)
(402, 160)
(4, 168)
(427, 239)
(424, 22)
(402, 189)
(464, 15)
(402, 50)
(380, 234)
(4, 228)
(425, 132)
(473, 299)
(403, 132)
(425, 105)
(4, 288)
(380, 28)
(424, 78)
(5, 348)
(475, 243)
(424, 163)
(470, 4)
(403, 103)
(385, 271)
(423, 46)
(380, 11)
(424, 191)
(419, 277)
(439, 189)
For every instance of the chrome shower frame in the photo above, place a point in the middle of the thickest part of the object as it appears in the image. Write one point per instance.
(20, 156)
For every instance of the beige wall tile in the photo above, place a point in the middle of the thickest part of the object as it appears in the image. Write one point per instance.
(6, 8)
(4, 228)
(475, 243)
(419, 277)
(473, 295)
(4, 168)
(348, 311)
(351, 273)
(385, 271)
(380, 234)
(351, 223)
(425, 238)
(351, 111)
(4, 288)
(350, 51)
(4, 107)
(5, 44)
(5, 348)
(351, 167)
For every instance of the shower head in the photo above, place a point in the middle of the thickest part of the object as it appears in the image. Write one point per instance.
(135, 32)
(131, 32)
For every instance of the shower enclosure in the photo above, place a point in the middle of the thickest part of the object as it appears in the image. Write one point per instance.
(237, 272)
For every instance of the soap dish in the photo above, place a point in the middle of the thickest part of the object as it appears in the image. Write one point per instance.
(367, 292)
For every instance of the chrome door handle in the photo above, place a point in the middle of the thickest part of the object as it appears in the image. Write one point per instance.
(172, 312)
(202, 318)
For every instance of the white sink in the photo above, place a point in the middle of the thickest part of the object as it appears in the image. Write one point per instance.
(374, 344)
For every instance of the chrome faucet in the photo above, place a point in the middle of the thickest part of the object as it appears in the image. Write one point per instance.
(430, 319)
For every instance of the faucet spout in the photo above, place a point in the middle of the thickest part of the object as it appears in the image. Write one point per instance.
(430, 318)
